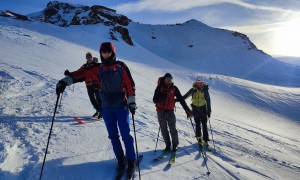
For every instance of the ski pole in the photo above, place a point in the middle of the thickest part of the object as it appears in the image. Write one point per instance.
(193, 126)
(136, 147)
(212, 137)
(49, 136)
(157, 139)
(204, 155)
(59, 106)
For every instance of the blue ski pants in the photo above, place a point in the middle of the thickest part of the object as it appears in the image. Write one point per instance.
(117, 119)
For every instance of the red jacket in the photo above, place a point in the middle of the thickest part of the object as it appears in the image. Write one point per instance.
(88, 73)
(164, 98)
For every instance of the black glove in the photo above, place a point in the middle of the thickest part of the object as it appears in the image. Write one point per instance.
(208, 114)
(189, 114)
(67, 73)
(60, 87)
(132, 108)
(131, 104)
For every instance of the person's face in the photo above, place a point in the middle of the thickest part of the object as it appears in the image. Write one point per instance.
(89, 59)
(199, 84)
(168, 81)
(106, 53)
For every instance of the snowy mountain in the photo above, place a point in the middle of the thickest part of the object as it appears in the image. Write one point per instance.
(200, 47)
(255, 125)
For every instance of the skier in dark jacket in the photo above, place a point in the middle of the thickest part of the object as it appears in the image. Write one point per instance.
(89, 73)
(201, 108)
(164, 98)
(118, 98)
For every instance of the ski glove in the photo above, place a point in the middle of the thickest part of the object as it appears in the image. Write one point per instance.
(208, 114)
(131, 104)
(60, 87)
(67, 73)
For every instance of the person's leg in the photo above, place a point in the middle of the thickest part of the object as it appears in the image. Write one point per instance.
(197, 122)
(204, 127)
(98, 101)
(92, 97)
(110, 120)
(124, 127)
(173, 131)
(164, 129)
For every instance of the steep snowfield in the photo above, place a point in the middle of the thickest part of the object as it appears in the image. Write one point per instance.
(255, 126)
(202, 48)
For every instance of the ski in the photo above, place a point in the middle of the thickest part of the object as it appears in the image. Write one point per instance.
(163, 155)
(137, 163)
(206, 147)
(83, 120)
(172, 159)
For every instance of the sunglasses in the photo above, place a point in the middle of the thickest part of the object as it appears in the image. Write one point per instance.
(89, 57)
(106, 51)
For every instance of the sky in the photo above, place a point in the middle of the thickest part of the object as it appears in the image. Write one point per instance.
(273, 25)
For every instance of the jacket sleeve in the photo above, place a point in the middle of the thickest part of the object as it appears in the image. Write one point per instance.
(78, 75)
(181, 99)
(207, 99)
(188, 94)
(127, 82)
(128, 73)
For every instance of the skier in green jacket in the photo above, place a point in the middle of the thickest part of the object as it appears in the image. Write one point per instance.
(201, 108)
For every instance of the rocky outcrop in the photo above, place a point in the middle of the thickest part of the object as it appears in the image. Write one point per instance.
(65, 14)
(10, 14)
(247, 41)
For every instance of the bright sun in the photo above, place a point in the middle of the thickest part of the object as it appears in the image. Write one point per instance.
(287, 39)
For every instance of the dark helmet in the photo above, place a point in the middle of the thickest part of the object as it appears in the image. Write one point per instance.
(108, 47)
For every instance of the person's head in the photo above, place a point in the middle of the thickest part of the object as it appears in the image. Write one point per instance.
(107, 53)
(168, 79)
(88, 57)
(198, 82)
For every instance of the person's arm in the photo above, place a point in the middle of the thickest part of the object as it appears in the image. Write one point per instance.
(129, 90)
(127, 82)
(180, 98)
(79, 75)
(188, 94)
(128, 73)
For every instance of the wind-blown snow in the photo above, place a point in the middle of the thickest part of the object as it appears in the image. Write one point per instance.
(255, 125)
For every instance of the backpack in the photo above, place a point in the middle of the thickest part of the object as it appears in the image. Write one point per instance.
(119, 70)
(160, 80)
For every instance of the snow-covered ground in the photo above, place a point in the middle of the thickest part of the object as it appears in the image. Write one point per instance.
(255, 126)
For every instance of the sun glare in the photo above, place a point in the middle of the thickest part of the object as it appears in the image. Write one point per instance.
(287, 39)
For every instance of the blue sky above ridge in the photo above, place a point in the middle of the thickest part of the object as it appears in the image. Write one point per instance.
(273, 25)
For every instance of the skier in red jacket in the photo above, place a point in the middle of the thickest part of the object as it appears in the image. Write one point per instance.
(89, 73)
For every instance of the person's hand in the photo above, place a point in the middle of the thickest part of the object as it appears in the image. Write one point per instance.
(67, 73)
(131, 104)
(60, 87)
(189, 114)
(208, 114)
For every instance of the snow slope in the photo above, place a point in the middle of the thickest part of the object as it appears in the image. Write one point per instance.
(255, 126)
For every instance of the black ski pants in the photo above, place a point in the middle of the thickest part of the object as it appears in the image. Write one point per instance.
(94, 95)
(200, 118)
